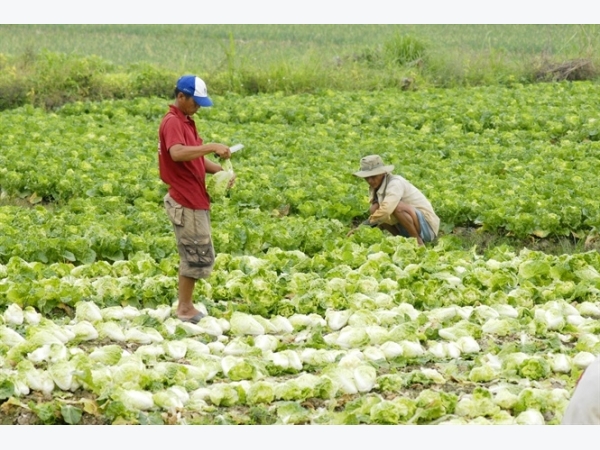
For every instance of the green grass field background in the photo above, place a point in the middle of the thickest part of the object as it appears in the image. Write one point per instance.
(182, 47)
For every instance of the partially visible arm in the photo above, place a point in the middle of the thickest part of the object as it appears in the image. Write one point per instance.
(584, 406)
(180, 152)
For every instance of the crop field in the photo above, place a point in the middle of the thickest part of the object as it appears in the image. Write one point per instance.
(304, 324)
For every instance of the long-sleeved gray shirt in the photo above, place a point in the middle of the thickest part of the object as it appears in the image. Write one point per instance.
(395, 189)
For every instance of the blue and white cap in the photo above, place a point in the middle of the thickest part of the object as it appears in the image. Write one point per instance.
(194, 86)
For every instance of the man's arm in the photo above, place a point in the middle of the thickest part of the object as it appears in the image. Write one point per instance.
(393, 194)
(212, 167)
(180, 152)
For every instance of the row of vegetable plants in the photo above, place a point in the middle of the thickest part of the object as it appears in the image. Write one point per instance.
(397, 335)
(483, 156)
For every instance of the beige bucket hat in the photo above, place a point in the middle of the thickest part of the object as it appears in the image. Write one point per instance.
(372, 165)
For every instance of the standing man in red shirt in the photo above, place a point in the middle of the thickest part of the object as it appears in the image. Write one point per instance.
(183, 168)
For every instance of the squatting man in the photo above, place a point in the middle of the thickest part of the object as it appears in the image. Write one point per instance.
(397, 206)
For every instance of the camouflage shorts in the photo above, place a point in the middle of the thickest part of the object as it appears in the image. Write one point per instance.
(192, 231)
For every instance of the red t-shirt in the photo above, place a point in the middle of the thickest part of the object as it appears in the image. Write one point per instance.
(186, 179)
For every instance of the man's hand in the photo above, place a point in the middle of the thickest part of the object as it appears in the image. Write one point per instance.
(222, 151)
(366, 222)
(369, 224)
